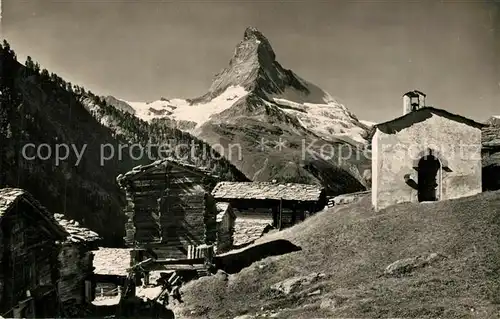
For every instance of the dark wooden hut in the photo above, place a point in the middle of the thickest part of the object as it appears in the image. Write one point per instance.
(30, 240)
(76, 286)
(169, 208)
(258, 205)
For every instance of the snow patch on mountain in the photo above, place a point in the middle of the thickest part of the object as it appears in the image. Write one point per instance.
(311, 93)
(320, 113)
(183, 110)
(329, 121)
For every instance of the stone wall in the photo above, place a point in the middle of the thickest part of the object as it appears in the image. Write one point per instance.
(225, 232)
(76, 266)
(393, 158)
(249, 227)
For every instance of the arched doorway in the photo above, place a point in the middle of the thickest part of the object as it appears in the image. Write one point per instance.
(428, 178)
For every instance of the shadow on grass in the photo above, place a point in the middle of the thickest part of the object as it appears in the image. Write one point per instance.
(235, 262)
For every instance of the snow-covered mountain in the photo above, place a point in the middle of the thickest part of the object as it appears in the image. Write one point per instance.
(184, 110)
(270, 113)
(253, 70)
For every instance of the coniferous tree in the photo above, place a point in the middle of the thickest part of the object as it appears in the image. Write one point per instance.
(10, 101)
(29, 63)
(6, 46)
(45, 75)
(36, 68)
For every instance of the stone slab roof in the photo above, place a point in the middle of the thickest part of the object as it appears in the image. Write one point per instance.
(9, 197)
(491, 136)
(111, 261)
(267, 190)
(142, 169)
(77, 233)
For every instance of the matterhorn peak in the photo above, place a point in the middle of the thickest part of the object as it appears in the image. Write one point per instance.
(255, 85)
(252, 32)
(254, 49)
(253, 67)
(254, 35)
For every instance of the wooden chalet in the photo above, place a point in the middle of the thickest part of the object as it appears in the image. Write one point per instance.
(260, 204)
(29, 244)
(170, 208)
(76, 286)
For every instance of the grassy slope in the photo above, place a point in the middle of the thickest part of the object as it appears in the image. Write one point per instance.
(353, 245)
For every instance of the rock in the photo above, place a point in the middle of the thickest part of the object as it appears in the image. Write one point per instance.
(315, 293)
(294, 284)
(350, 198)
(245, 317)
(407, 265)
(221, 274)
(331, 303)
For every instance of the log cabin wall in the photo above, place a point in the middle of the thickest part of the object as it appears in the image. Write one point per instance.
(29, 255)
(168, 210)
(129, 212)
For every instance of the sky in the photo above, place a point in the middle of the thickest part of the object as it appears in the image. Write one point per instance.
(364, 53)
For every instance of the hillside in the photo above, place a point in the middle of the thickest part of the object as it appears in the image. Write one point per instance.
(264, 117)
(345, 251)
(41, 108)
(158, 138)
(38, 107)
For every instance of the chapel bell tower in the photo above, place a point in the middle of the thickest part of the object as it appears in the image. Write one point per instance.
(413, 101)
